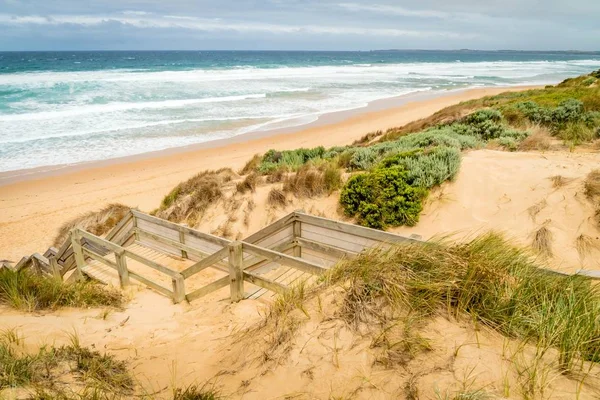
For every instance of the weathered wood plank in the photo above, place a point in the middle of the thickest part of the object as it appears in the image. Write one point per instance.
(356, 230)
(284, 259)
(210, 261)
(211, 287)
(151, 284)
(270, 229)
(264, 282)
(119, 233)
(95, 256)
(172, 243)
(150, 263)
(181, 228)
(99, 241)
(330, 251)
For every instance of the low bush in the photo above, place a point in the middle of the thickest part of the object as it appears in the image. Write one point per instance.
(24, 290)
(427, 168)
(383, 197)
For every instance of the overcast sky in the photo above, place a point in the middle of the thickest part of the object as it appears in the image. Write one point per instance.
(299, 24)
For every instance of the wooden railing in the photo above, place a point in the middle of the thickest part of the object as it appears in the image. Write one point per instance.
(301, 242)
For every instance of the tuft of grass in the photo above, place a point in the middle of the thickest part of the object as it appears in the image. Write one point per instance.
(251, 165)
(96, 222)
(539, 139)
(542, 241)
(24, 290)
(559, 181)
(102, 374)
(248, 184)
(196, 392)
(311, 181)
(577, 133)
(586, 245)
(189, 199)
(592, 185)
(276, 198)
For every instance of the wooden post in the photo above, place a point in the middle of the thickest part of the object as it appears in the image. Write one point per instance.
(135, 231)
(54, 267)
(77, 252)
(182, 241)
(121, 260)
(178, 289)
(236, 274)
(297, 228)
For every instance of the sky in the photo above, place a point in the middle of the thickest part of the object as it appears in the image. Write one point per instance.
(299, 24)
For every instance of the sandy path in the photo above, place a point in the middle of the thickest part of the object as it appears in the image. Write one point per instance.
(32, 211)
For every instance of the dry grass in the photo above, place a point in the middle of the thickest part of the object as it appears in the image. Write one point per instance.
(249, 183)
(542, 240)
(96, 222)
(189, 199)
(366, 139)
(559, 181)
(586, 245)
(540, 139)
(251, 165)
(276, 176)
(276, 198)
(592, 185)
(312, 181)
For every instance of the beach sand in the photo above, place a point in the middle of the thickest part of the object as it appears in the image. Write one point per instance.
(31, 211)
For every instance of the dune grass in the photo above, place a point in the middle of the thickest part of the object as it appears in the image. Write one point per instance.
(95, 222)
(100, 375)
(592, 185)
(312, 181)
(189, 199)
(26, 291)
(487, 278)
(276, 198)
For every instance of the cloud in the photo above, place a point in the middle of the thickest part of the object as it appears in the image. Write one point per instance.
(147, 20)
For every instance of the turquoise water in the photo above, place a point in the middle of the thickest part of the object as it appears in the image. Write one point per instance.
(70, 107)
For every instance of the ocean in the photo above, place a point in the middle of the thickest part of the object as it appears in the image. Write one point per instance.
(61, 108)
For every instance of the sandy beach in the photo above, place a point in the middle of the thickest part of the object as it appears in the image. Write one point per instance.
(32, 210)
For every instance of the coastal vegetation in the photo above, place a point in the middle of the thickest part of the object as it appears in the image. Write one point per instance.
(389, 175)
(27, 291)
(66, 372)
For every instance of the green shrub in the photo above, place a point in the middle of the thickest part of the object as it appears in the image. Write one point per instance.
(509, 143)
(383, 197)
(427, 168)
(289, 159)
